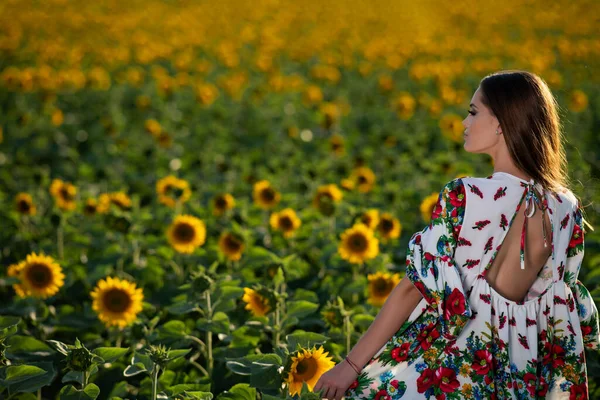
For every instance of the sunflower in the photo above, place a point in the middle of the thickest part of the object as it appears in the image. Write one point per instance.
(380, 287)
(312, 95)
(337, 144)
(153, 127)
(358, 244)
(24, 204)
(404, 105)
(231, 245)
(164, 139)
(427, 206)
(285, 221)
(364, 178)
(172, 190)
(186, 233)
(64, 194)
(347, 184)
(258, 304)
(121, 200)
(40, 276)
(222, 203)
(370, 218)
(389, 227)
(91, 207)
(452, 127)
(117, 301)
(578, 101)
(331, 114)
(103, 203)
(264, 195)
(325, 197)
(307, 365)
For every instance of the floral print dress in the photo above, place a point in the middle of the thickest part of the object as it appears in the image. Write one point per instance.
(466, 341)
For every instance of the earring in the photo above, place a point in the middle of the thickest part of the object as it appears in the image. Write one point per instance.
(497, 133)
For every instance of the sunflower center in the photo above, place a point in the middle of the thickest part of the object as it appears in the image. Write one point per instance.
(305, 369)
(268, 194)
(39, 275)
(221, 202)
(65, 194)
(387, 225)
(184, 232)
(381, 287)
(362, 179)
(366, 220)
(232, 243)
(24, 206)
(358, 242)
(174, 191)
(90, 208)
(286, 223)
(116, 300)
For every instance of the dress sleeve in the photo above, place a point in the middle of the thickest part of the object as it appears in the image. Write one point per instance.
(430, 264)
(587, 310)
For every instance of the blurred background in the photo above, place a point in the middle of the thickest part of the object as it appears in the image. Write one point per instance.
(192, 149)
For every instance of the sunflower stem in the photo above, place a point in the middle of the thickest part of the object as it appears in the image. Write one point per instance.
(210, 360)
(348, 335)
(39, 394)
(355, 270)
(332, 225)
(136, 253)
(155, 371)
(267, 238)
(85, 378)
(277, 323)
(60, 240)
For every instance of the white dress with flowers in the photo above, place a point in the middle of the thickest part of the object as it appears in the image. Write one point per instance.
(466, 341)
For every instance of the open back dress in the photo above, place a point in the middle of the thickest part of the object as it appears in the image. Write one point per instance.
(464, 340)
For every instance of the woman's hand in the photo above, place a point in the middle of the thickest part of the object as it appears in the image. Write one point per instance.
(336, 381)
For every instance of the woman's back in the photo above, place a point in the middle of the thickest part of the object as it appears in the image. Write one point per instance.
(467, 337)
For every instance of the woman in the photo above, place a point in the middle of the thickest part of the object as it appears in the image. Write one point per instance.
(480, 316)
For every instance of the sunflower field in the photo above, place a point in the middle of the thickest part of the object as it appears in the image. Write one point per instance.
(212, 200)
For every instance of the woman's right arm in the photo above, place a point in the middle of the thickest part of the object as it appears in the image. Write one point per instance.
(395, 311)
(397, 308)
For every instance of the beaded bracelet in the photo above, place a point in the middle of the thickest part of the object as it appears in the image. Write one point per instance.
(354, 367)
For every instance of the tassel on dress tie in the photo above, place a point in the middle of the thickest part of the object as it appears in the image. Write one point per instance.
(531, 198)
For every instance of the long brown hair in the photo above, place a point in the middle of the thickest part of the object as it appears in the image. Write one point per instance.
(528, 115)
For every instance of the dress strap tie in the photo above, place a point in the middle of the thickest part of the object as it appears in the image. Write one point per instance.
(531, 199)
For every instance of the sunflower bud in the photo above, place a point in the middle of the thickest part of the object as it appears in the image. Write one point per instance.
(80, 359)
(158, 354)
(201, 283)
(333, 315)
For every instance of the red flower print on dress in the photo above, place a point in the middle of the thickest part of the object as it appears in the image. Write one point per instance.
(383, 395)
(500, 192)
(446, 379)
(555, 354)
(482, 362)
(400, 353)
(578, 392)
(354, 385)
(488, 244)
(457, 196)
(565, 221)
(530, 322)
(523, 341)
(576, 237)
(475, 189)
(471, 263)
(503, 221)
(463, 242)
(427, 336)
(455, 304)
(426, 380)
(479, 225)
(502, 320)
(486, 298)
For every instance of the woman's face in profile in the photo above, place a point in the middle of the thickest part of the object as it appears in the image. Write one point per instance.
(480, 127)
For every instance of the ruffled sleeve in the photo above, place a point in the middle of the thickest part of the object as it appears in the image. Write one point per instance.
(430, 264)
(586, 308)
